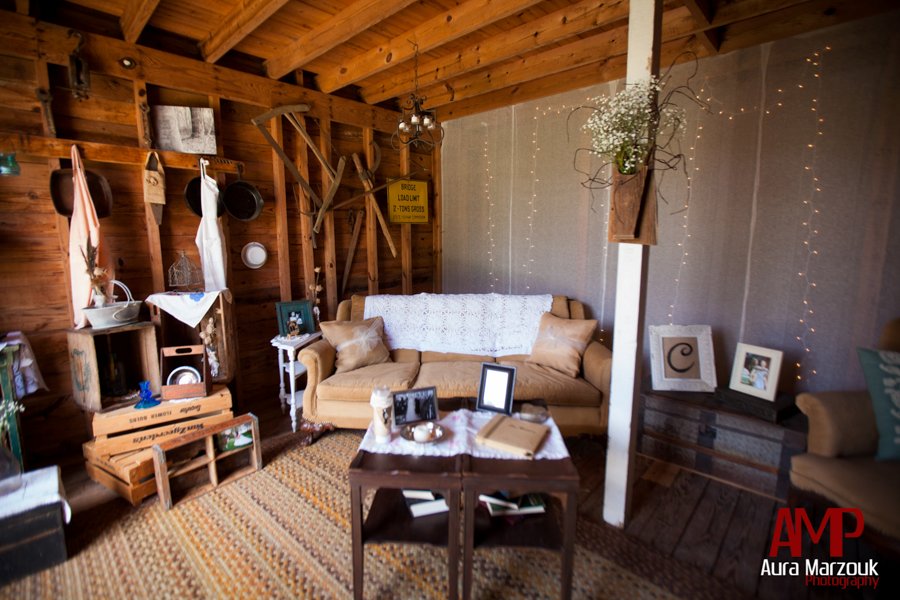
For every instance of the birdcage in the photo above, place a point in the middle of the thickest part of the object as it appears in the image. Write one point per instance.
(184, 275)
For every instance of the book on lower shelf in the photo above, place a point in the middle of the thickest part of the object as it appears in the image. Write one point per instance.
(420, 494)
(420, 507)
(500, 505)
(512, 435)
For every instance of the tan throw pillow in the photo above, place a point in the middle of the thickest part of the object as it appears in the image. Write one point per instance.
(560, 343)
(358, 343)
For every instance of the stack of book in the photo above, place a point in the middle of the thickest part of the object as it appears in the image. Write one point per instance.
(500, 504)
(424, 502)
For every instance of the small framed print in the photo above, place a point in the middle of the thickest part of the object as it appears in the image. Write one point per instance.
(411, 406)
(295, 318)
(681, 358)
(755, 371)
(495, 392)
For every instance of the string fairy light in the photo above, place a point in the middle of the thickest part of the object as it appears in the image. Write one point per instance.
(488, 184)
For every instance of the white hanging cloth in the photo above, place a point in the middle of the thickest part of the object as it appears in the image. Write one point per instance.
(209, 237)
(84, 227)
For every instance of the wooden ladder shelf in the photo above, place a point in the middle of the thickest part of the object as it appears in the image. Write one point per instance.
(210, 460)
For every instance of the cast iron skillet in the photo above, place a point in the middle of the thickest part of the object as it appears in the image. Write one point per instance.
(242, 200)
(62, 191)
(192, 198)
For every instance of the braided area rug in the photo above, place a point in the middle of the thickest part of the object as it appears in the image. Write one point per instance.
(284, 532)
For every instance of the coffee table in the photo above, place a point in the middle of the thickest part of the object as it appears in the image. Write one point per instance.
(388, 519)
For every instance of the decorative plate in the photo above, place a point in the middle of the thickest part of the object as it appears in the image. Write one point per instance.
(183, 376)
(254, 255)
(407, 433)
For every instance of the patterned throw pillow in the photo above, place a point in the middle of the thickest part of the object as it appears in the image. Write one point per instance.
(358, 343)
(882, 371)
(561, 342)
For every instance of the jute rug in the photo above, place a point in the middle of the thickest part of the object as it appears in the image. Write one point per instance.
(284, 532)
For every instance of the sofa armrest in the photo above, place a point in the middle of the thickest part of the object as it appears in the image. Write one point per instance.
(840, 423)
(318, 358)
(597, 367)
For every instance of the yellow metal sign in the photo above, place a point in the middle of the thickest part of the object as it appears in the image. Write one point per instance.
(408, 201)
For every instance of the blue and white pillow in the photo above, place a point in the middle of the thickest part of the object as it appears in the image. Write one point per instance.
(882, 371)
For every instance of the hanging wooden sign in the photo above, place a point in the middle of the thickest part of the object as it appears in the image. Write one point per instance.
(408, 201)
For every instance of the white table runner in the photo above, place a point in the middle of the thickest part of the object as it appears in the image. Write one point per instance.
(460, 428)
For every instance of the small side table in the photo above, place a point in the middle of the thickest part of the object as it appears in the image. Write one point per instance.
(288, 364)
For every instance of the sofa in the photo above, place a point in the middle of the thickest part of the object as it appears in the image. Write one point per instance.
(841, 465)
(577, 400)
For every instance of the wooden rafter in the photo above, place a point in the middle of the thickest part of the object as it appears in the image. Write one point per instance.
(703, 12)
(245, 18)
(135, 16)
(360, 15)
(436, 31)
(549, 29)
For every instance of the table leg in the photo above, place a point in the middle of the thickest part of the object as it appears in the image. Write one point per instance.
(356, 535)
(468, 541)
(281, 395)
(453, 545)
(568, 548)
(293, 393)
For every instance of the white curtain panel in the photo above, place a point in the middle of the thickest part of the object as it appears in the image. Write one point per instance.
(782, 233)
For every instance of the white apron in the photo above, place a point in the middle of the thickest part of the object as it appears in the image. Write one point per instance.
(209, 236)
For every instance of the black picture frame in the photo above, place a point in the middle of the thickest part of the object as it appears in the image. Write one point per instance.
(495, 391)
(284, 310)
(413, 406)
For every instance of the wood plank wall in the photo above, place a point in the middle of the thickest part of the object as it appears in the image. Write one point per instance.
(33, 254)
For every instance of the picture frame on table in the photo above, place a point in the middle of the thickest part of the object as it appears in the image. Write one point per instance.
(288, 314)
(681, 358)
(755, 371)
(412, 406)
(495, 391)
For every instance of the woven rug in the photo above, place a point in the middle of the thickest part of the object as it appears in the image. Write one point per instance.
(284, 532)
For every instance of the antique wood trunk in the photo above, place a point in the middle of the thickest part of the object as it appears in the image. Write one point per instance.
(701, 433)
(31, 541)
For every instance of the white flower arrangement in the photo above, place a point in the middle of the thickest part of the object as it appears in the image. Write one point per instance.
(628, 126)
(8, 408)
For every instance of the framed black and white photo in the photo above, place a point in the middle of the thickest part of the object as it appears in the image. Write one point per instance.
(411, 406)
(681, 358)
(295, 318)
(756, 370)
(495, 392)
(188, 129)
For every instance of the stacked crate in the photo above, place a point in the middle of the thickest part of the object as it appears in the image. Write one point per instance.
(119, 457)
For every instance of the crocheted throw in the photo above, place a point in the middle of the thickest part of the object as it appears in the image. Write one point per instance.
(488, 324)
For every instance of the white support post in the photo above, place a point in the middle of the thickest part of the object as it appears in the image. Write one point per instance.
(644, 23)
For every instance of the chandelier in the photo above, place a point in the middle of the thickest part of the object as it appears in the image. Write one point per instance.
(417, 126)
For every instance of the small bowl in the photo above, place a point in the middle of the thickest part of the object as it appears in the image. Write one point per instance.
(117, 313)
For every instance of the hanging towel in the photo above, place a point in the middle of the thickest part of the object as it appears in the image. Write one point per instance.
(209, 236)
(84, 228)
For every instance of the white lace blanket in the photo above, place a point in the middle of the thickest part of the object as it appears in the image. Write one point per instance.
(489, 324)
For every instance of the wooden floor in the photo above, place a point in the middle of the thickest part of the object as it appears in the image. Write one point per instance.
(715, 527)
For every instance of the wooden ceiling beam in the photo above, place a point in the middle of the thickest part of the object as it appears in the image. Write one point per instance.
(357, 17)
(549, 29)
(22, 7)
(679, 23)
(243, 20)
(436, 31)
(135, 16)
(703, 12)
(28, 38)
(607, 69)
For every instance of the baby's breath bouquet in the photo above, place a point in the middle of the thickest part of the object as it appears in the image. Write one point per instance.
(628, 126)
(8, 408)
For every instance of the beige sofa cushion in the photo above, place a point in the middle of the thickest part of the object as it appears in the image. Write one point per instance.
(429, 356)
(358, 384)
(840, 423)
(456, 379)
(561, 342)
(861, 483)
(537, 382)
(358, 343)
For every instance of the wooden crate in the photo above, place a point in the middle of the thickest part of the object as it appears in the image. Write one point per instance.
(696, 432)
(102, 360)
(133, 492)
(128, 429)
(210, 459)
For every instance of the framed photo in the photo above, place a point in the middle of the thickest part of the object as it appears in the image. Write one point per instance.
(681, 358)
(755, 371)
(495, 393)
(415, 405)
(189, 129)
(295, 318)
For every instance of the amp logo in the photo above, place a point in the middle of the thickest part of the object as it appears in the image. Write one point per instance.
(791, 522)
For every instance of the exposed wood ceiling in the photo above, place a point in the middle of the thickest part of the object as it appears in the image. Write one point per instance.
(473, 55)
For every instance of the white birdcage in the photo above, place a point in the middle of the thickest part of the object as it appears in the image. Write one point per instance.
(185, 275)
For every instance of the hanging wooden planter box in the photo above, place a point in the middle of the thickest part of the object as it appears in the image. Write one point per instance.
(626, 202)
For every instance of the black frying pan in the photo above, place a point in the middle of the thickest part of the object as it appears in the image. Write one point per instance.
(242, 200)
(62, 191)
(192, 198)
